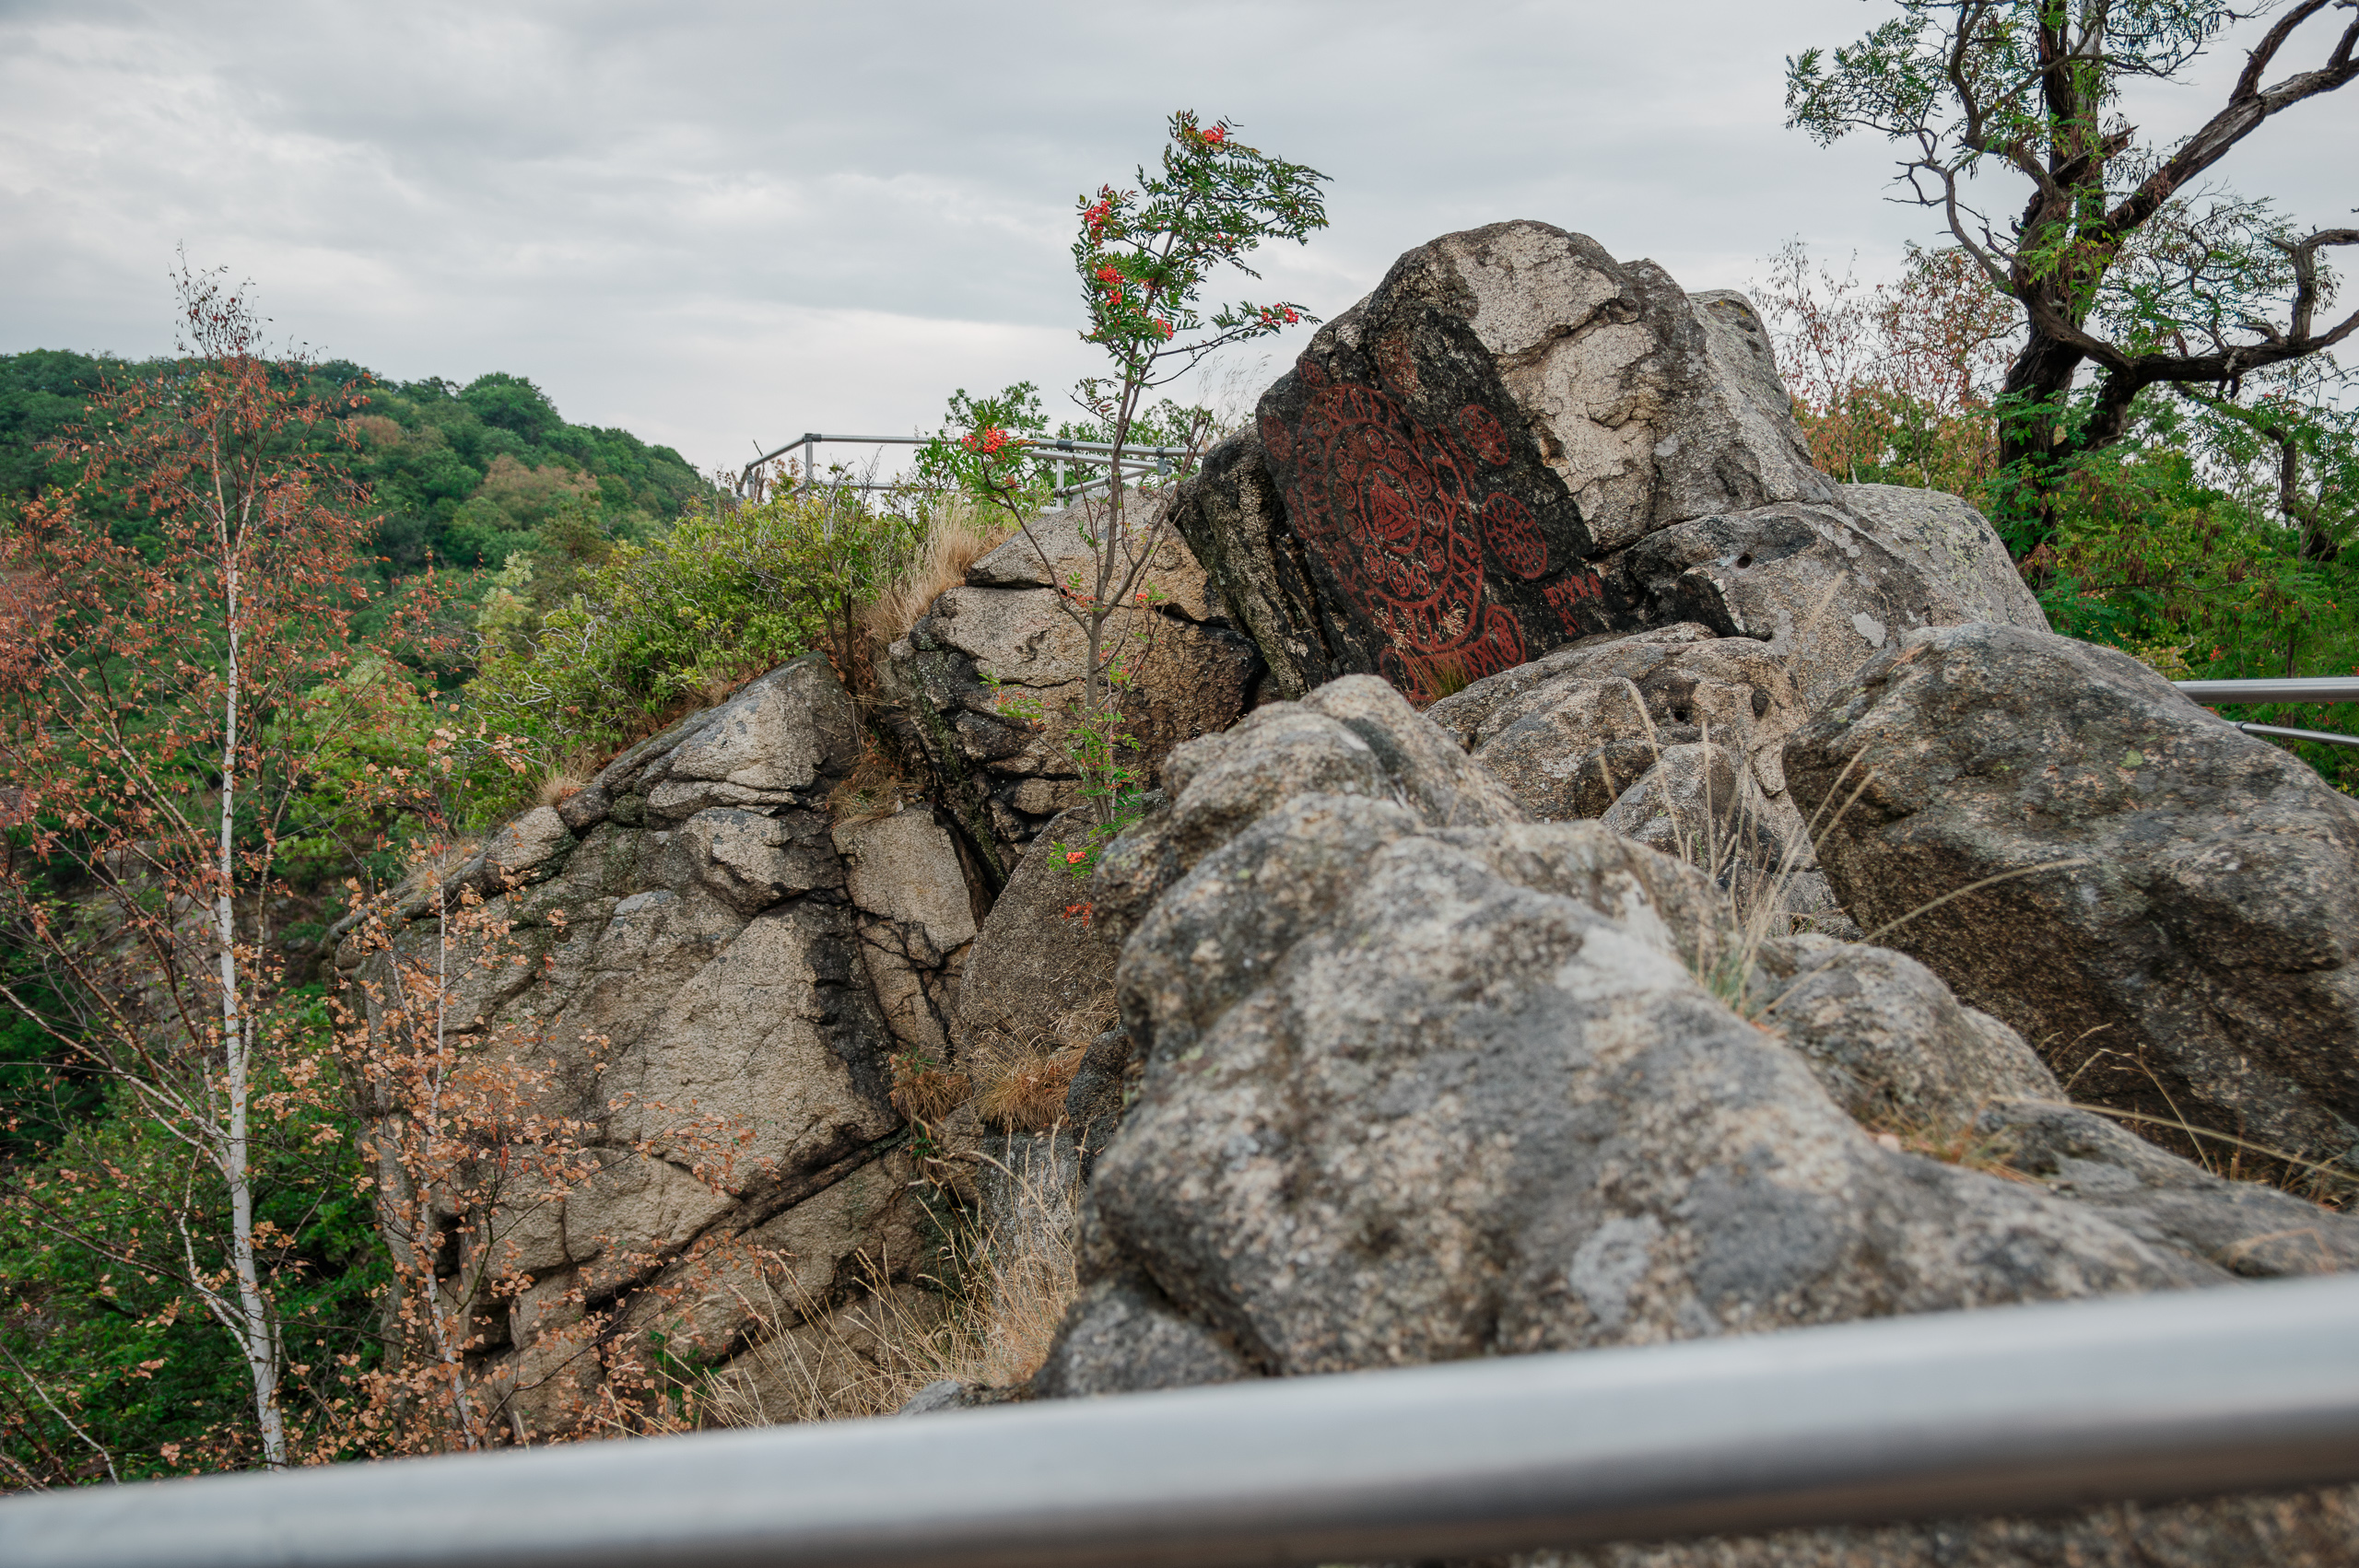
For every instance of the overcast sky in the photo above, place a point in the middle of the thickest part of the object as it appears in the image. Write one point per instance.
(718, 223)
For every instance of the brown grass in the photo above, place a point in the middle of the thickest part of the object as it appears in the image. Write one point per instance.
(558, 786)
(1965, 1145)
(956, 539)
(1436, 678)
(1023, 1075)
(1029, 1094)
(988, 1320)
(875, 787)
(721, 683)
(923, 1092)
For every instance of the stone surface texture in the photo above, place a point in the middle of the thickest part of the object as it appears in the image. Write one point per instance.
(1517, 442)
(698, 947)
(1438, 534)
(1617, 728)
(1952, 546)
(1425, 1080)
(1003, 777)
(2200, 961)
(1041, 975)
(1814, 583)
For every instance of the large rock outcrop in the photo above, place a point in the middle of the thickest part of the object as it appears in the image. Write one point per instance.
(719, 976)
(1517, 441)
(2198, 959)
(1425, 1080)
(1005, 639)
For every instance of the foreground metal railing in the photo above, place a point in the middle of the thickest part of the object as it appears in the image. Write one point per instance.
(2241, 1388)
(2305, 688)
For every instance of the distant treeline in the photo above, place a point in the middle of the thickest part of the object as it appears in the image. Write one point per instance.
(463, 476)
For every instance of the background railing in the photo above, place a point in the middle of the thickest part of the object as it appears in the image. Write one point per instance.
(2307, 688)
(1148, 459)
(2241, 1388)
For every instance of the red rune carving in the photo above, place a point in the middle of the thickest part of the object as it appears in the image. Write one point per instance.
(1388, 506)
(1274, 438)
(1399, 366)
(1508, 529)
(1566, 597)
(1483, 434)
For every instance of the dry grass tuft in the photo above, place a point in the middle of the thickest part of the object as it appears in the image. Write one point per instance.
(987, 1320)
(1029, 1094)
(558, 786)
(1030, 1271)
(1436, 678)
(876, 787)
(924, 1093)
(722, 682)
(1965, 1145)
(1023, 1075)
(956, 539)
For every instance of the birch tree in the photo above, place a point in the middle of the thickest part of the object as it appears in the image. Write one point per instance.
(163, 698)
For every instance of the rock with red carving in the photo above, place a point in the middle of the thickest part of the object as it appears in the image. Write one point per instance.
(1442, 544)
(1518, 442)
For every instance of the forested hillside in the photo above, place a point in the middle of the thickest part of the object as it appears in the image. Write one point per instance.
(461, 476)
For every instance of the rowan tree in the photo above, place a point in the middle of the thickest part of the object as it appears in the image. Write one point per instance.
(1142, 256)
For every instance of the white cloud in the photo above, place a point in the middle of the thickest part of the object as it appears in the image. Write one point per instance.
(712, 222)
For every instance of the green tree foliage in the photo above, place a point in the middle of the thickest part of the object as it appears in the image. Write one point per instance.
(108, 1365)
(2125, 263)
(2215, 539)
(466, 476)
(42, 393)
(459, 476)
(644, 631)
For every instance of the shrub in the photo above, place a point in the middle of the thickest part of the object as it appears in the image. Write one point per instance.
(656, 627)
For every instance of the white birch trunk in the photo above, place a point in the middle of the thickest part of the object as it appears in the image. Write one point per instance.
(256, 1332)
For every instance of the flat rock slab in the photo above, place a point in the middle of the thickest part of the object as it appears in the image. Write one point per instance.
(1444, 544)
(1042, 976)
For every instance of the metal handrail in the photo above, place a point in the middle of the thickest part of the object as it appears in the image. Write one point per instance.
(2241, 1388)
(1068, 451)
(2307, 688)
(2291, 689)
(2323, 737)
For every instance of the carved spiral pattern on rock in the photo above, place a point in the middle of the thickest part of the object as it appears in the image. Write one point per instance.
(1388, 506)
(1483, 434)
(1275, 439)
(1514, 537)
